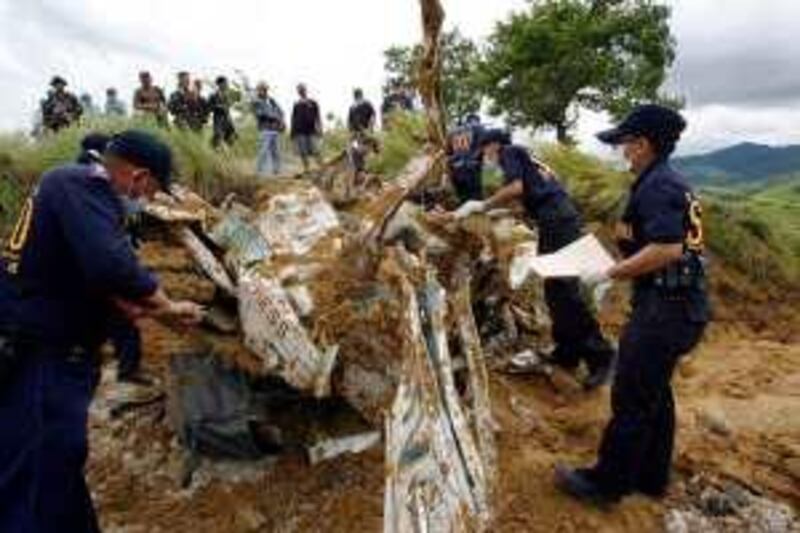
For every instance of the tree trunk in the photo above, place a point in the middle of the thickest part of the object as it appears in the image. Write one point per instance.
(430, 70)
(562, 134)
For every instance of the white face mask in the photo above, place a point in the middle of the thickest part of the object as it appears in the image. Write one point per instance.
(492, 159)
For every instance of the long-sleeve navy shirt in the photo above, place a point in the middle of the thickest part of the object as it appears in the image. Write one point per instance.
(539, 189)
(76, 258)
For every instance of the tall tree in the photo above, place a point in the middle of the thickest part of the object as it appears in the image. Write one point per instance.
(460, 60)
(543, 65)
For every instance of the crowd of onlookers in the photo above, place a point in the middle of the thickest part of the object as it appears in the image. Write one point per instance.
(187, 108)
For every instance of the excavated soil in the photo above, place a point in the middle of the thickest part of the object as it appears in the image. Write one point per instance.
(738, 399)
(738, 403)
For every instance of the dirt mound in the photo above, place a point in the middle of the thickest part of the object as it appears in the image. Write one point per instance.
(737, 402)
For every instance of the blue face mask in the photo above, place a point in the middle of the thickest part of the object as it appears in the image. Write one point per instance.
(132, 206)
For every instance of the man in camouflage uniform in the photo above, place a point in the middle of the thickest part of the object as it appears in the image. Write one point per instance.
(187, 106)
(61, 109)
(219, 103)
(149, 99)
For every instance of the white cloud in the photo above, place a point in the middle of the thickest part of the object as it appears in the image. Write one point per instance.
(334, 46)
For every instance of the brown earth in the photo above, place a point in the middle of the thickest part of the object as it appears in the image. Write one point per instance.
(738, 420)
(738, 399)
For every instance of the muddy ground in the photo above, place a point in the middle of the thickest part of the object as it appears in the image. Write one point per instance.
(738, 397)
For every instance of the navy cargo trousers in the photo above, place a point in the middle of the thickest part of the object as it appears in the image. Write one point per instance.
(575, 331)
(637, 446)
(43, 443)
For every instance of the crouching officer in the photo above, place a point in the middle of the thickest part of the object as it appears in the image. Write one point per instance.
(661, 239)
(575, 330)
(72, 267)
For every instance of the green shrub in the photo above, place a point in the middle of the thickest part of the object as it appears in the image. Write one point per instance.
(399, 144)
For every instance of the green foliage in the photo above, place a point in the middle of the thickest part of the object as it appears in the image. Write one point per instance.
(599, 190)
(755, 234)
(212, 173)
(399, 144)
(758, 231)
(541, 65)
(461, 93)
(745, 164)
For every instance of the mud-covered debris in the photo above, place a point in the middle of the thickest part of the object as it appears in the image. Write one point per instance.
(181, 206)
(273, 332)
(436, 476)
(729, 508)
(294, 223)
(243, 244)
(207, 261)
(334, 447)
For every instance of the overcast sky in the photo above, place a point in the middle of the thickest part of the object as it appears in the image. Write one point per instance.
(738, 60)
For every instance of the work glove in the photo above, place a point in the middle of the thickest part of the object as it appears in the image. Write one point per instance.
(598, 282)
(593, 278)
(469, 208)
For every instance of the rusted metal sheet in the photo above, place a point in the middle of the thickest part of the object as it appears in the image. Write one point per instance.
(243, 243)
(180, 206)
(293, 223)
(436, 479)
(480, 413)
(207, 261)
(273, 332)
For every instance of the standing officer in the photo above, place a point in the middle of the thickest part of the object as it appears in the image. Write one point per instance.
(123, 333)
(661, 239)
(575, 330)
(465, 160)
(73, 268)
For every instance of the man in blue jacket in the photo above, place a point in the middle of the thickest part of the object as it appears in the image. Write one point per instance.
(71, 268)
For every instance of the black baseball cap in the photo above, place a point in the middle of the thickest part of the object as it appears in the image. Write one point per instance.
(494, 135)
(144, 150)
(653, 121)
(93, 146)
(58, 80)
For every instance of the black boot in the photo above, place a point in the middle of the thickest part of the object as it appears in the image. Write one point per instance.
(578, 484)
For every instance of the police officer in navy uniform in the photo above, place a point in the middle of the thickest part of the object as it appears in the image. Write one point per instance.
(72, 268)
(465, 159)
(124, 334)
(661, 240)
(575, 330)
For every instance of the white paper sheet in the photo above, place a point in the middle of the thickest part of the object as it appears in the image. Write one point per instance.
(582, 256)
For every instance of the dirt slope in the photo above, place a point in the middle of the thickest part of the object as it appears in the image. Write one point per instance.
(738, 401)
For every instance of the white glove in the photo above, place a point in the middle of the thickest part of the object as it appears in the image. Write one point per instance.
(593, 278)
(470, 208)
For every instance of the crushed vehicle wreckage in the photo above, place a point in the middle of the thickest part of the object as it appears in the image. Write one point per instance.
(328, 329)
(341, 313)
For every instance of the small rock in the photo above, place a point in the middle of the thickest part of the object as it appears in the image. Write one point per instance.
(715, 422)
(675, 522)
(251, 519)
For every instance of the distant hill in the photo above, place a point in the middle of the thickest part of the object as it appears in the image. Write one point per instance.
(742, 164)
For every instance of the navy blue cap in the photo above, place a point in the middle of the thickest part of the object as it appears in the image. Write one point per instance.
(144, 150)
(494, 135)
(655, 122)
(472, 118)
(93, 146)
